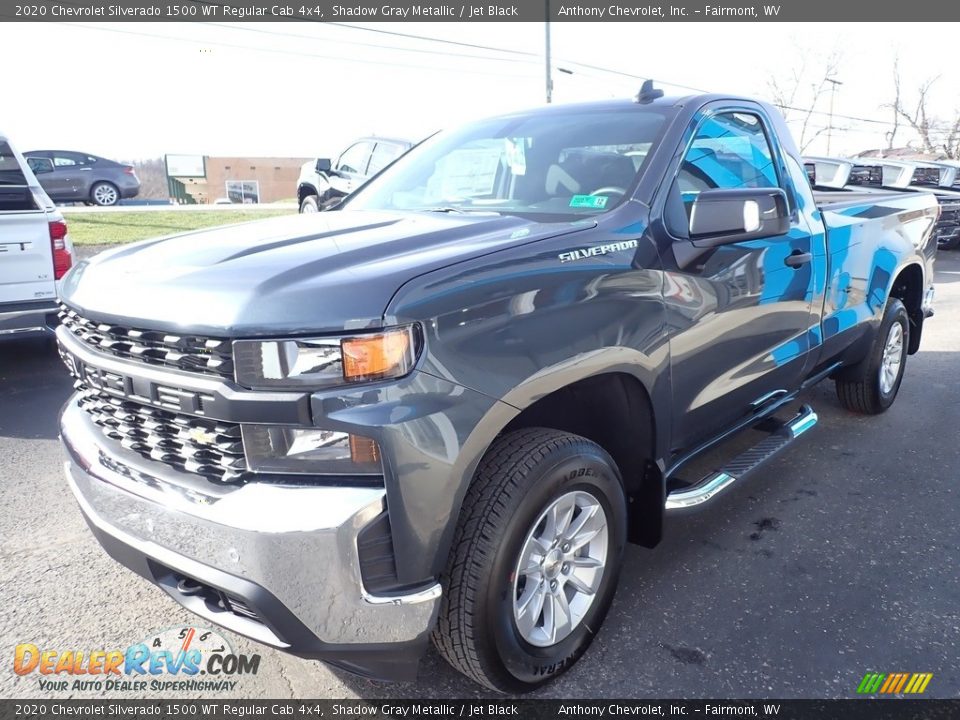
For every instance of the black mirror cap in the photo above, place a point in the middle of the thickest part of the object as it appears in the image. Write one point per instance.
(721, 217)
(323, 165)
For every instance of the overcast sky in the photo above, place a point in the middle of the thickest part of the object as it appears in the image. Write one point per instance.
(137, 90)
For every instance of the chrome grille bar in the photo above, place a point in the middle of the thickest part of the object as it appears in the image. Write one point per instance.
(191, 444)
(209, 356)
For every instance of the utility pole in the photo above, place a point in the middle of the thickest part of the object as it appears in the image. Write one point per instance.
(833, 93)
(549, 75)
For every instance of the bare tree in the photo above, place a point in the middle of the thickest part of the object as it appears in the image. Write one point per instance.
(153, 178)
(936, 137)
(798, 95)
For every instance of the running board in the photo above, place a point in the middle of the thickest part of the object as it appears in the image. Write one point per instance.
(742, 465)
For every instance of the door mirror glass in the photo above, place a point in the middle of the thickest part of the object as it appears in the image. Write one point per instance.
(39, 166)
(720, 217)
(323, 165)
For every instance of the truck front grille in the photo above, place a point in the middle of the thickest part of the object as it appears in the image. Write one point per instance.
(196, 445)
(209, 356)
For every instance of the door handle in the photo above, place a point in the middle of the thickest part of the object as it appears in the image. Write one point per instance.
(797, 258)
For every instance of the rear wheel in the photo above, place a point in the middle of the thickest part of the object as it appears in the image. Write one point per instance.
(871, 386)
(104, 194)
(535, 561)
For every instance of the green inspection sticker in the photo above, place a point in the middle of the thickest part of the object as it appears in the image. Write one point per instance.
(594, 202)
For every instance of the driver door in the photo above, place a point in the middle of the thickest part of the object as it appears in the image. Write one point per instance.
(351, 169)
(740, 312)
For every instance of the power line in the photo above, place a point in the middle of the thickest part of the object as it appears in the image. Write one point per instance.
(428, 38)
(315, 38)
(598, 68)
(275, 51)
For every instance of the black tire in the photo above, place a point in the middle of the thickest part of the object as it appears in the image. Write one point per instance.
(859, 387)
(521, 475)
(99, 201)
(311, 203)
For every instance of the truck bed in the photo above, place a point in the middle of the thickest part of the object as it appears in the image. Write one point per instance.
(839, 199)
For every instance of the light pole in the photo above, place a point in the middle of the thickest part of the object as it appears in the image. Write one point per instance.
(549, 75)
(833, 92)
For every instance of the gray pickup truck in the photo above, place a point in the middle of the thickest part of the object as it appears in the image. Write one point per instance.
(445, 407)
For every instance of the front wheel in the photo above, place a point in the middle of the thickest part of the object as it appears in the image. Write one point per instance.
(309, 204)
(871, 386)
(535, 560)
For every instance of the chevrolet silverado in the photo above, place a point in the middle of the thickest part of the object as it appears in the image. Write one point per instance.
(443, 409)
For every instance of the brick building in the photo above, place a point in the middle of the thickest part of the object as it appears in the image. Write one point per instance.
(241, 180)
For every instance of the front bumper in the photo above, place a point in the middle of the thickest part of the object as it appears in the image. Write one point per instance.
(38, 316)
(278, 564)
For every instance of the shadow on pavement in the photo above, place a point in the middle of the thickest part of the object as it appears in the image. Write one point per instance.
(33, 387)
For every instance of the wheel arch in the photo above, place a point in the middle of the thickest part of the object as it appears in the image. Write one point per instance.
(907, 286)
(305, 189)
(617, 400)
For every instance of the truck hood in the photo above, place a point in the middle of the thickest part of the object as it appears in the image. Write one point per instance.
(313, 273)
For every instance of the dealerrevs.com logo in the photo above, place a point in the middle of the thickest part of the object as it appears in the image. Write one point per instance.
(177, 659)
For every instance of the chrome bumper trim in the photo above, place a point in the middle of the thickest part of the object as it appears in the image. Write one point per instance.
(297, 542)
(18, 331)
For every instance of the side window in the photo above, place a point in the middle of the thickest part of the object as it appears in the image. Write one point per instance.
(383, 155)
(354, 158)
(10, 172)
(69, 159)
(730, 150)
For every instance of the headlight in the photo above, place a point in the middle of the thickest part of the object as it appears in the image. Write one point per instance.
(326, 362)
(273, 449)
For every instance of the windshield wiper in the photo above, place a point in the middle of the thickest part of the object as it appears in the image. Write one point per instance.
(460, 211)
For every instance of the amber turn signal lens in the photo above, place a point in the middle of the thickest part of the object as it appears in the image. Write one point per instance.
(364, 450)
(371, 357)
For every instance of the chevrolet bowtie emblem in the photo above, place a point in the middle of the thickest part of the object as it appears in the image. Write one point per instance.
(201, 436)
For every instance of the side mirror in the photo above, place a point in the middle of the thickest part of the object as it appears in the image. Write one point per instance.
(40, 166)
(721, 217)
(323, 165)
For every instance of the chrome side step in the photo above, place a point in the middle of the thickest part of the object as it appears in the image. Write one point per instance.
(742, 465)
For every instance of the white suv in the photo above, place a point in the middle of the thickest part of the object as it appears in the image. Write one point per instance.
(35, 250)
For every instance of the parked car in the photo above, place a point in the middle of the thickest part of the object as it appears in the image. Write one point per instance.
(35, 249)
(79, 177)
(322, 184)
(444, 411)
(882, 175)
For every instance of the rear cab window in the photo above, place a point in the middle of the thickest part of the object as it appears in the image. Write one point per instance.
(15, 194)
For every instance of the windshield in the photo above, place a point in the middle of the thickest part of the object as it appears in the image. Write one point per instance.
(548, 165)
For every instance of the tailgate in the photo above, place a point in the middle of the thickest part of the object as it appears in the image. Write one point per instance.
(26, 259)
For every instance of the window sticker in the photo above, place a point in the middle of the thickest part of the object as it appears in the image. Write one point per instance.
(594, 202)
(516, 155)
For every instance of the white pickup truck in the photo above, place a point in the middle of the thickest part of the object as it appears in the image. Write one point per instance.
(35, 250)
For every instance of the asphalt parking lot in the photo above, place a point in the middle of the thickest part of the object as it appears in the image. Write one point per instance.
(839, 558)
